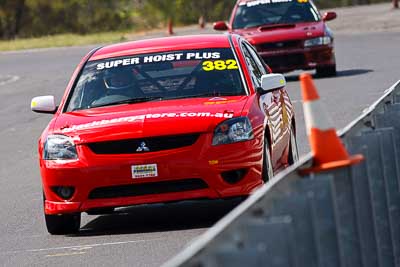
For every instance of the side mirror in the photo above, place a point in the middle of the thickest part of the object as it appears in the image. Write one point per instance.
(272, 82)
(44, 104)
(220, 26)
(329, 16)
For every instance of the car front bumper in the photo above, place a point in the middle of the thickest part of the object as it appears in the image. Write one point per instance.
(193, 172)
(299, 58)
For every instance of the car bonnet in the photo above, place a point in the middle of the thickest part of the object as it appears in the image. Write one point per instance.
(300, 31)
(159, 118)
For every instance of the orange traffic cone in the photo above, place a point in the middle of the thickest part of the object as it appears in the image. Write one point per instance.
(327, 149)
(170, 30)
(202, 22)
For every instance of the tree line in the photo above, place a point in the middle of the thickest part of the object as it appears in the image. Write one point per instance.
(34, 18)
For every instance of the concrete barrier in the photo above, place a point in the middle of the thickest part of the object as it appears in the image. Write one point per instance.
(348, 216)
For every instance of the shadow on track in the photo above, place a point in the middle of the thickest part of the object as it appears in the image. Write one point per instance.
(159, 218)
(340, 73)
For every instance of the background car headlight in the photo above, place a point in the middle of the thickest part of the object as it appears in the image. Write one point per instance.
(232, 131)
(59, 147)
(318, 41)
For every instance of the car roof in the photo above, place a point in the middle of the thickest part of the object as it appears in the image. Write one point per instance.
(162, 44)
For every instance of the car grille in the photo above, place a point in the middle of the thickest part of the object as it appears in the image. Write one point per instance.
(134, 190)
(143, 145)
(285, 61)
(279, 45)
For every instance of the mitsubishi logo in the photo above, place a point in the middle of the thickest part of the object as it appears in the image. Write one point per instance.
(142, 148)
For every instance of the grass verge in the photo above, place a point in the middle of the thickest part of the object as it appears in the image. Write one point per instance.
(62, 40)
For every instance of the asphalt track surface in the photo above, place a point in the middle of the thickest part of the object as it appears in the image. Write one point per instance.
(145, 235)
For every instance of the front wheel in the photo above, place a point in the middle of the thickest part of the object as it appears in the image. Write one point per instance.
(100, 211)
(63, 224)
(326, 71)
(267, 170)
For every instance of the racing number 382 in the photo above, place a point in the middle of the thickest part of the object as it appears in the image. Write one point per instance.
(229, 64)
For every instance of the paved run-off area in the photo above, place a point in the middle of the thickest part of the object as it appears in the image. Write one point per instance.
(368, 63)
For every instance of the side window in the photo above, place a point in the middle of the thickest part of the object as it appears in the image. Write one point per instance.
(260, 63)
(255, 70)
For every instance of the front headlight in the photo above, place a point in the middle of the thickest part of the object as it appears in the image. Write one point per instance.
(59, 147)
(318, 41)
(232, 131)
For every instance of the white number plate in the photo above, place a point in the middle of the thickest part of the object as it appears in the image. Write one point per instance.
(144, 171)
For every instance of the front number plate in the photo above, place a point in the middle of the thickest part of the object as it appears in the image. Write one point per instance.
(144, 171)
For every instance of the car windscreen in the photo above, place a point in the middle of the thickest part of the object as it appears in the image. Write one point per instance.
(266, 12)
(157, 77)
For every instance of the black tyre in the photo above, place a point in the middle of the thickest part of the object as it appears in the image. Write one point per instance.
(267, 171)
(63, 224)
(100, 211)
(293, 151)
(326, 71)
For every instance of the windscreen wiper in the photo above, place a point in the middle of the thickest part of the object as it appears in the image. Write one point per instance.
(128, 101)
(276, 26)
(203, 95)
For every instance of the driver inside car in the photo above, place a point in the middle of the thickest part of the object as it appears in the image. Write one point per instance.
(119, 84)
(250, 17)
(120, 81)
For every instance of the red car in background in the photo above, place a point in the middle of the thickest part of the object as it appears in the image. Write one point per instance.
(288, 34)
(163, 120)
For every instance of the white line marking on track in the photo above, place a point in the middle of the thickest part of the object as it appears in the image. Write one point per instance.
(89, 246)
(65, 254)
(81, 248)
(8, 79)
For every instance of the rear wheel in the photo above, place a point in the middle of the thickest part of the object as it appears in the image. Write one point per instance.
(326, 71)
(293, 151)
(267, 171)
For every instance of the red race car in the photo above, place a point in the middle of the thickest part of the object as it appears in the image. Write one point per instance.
(288, 34)
(163, 120)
